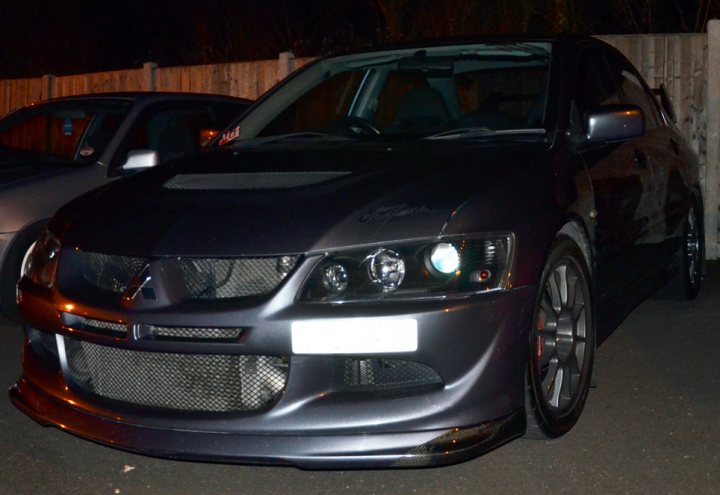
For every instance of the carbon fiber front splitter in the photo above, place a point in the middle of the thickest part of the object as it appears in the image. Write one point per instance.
(316, 451)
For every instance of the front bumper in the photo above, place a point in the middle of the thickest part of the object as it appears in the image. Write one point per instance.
(404, 449)
(477, 345)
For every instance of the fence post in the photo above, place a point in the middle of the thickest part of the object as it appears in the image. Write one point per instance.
(46, 91)
(286, 64)
(712, 163)
(149, 81)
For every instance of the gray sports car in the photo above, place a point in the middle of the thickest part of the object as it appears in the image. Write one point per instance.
(401, 257)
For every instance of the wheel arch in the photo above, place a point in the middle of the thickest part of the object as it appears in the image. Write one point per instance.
(13, 255)
(576, 230)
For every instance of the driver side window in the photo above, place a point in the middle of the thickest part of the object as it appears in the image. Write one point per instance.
(594, 83)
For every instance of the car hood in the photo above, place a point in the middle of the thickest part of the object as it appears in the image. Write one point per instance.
(283, 200)
(18, 166)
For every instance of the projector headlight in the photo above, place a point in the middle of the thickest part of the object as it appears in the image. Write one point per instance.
(433, 268)
(445, 258)
(386, 269)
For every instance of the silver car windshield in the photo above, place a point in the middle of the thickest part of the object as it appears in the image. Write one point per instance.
(411, 93)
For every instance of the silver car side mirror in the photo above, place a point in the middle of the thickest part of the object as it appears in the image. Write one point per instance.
(613, 123)
(140, 159)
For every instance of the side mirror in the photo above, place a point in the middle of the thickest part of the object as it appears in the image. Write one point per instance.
(140, 159)
(611, 123)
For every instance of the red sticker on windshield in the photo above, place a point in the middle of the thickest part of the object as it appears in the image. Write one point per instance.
(229, 135)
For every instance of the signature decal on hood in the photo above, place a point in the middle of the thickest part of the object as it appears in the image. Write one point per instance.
(384, 213)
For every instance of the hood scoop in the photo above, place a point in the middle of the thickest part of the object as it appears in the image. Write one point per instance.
(245, 181)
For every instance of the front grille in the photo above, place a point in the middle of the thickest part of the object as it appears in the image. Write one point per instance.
(369, 374)
(205, 278)
(194, 333)
(219, 278)
(111, 273)
(112, 328)
(187, 382)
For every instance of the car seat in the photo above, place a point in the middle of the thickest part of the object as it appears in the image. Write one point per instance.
(421, 109)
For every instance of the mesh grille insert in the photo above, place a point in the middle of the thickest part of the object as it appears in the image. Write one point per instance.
(195, 333)
(218, 278)
(205, 278)
(383, 374)
(111, 273)
(187, 382)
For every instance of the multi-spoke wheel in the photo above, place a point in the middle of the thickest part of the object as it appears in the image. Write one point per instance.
(685, 285)
(691, 257)
(562, 343)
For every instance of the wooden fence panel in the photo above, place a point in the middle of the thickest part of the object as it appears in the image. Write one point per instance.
(244, 79)
(16, 93)
(98, 82)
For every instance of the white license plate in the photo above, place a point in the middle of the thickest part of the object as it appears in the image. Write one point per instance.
(354, 336)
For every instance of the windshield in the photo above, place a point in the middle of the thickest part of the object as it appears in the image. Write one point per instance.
(407, 93)
(63, 131)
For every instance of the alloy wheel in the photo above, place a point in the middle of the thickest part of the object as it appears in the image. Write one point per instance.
(561, 337)
(692, 248)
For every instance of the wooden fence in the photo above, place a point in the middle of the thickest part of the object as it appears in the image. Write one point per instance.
(688, 64)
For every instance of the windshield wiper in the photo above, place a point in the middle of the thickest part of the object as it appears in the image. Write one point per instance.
(479, 132)
(293, 136)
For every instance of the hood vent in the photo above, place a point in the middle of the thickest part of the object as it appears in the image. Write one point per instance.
(245, 181)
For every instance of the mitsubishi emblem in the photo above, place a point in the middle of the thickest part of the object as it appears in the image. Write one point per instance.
(139, 285)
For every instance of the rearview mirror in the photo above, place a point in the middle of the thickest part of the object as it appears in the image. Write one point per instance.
(140, 159)
(611, 123)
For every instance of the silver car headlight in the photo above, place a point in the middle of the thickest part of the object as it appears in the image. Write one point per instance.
(41, 263)
(439, 267)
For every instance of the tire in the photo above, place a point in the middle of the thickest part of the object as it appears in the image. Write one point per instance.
(562, 343)
(692, 255)
(10, 273)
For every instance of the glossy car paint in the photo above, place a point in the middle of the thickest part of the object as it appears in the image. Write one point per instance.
(626, 207)
(31, 191)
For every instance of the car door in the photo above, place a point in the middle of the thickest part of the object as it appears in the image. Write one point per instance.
(622, 180)
(662, 148)
(671, 155)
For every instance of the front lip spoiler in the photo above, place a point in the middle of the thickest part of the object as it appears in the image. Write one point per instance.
(314, 451)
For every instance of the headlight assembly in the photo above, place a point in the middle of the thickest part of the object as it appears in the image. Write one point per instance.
(433, 268)
(41, 262)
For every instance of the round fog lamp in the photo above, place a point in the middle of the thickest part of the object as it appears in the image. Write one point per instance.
(444, 258)
(386, 268)
(335, 278)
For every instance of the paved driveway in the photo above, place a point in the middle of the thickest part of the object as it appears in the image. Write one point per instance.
(652, 426)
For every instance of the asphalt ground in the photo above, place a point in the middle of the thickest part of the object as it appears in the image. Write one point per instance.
(651, 427)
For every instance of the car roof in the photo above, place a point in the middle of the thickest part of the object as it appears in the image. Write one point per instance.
(468, 40)
(149, 97)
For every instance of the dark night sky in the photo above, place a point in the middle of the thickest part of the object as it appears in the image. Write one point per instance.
(73, 36)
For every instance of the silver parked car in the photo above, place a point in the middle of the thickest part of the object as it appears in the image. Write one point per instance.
(56, 150)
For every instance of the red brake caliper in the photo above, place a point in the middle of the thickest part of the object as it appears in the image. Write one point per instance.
(539, 344)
